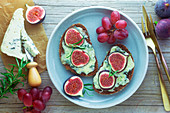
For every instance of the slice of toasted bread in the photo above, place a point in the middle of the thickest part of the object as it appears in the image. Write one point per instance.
(130, 74)
(61, 51)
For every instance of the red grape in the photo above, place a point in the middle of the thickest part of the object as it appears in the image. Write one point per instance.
(115, 16)
(35, 111)
(111, 39)
(121, 34)
(27, 99)
(21, 93)
(38, 105)
(34, 92)
(106, 23)
(100, 30)
(121, 24)
(48, 89)
(27, 110)
(40, 95)
(45, 96)
(103, 37)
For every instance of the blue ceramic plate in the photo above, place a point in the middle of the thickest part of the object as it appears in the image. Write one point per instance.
(91, 18)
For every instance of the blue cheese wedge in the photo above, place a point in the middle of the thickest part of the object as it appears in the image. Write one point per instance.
(11, 44)
(28, 43)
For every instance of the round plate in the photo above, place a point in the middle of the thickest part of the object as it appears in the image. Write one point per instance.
(91, 17)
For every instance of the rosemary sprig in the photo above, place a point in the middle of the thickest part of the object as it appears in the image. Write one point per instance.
(72, 45)
(88, 84)
(10, 80)
(75, 45)
(86, 88)
(110, 72)
(70, 53)
(85, 91)
(78, 41)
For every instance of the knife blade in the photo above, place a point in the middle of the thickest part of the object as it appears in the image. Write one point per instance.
(29, 57)
(153, 36)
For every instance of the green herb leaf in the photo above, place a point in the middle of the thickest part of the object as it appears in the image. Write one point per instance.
(87, 93)
(13, 65)
(113, 73)
(7, 69)
(70, 53)
(1, 90)
(17, 62)
(2, 83)
(11, 91)
(5, 97)
(78, 41)
(88, 84)
(89, 89)
(156, 22)
(10, 80)
(73, 45)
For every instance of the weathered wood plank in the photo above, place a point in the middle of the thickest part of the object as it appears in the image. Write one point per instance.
(146, 99)
(76, 109)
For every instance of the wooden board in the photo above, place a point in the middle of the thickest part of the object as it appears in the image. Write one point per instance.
(147, 99)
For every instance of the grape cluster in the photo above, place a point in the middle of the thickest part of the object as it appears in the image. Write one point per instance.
(112, 28)
(35, 100)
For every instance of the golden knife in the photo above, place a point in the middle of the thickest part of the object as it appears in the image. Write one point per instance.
(153, 36)
(150, 27)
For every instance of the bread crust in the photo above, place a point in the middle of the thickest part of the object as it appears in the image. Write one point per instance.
(130, 74)
(61, 51)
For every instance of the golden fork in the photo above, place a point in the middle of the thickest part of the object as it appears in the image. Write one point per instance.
(150, 26)
(151, 45)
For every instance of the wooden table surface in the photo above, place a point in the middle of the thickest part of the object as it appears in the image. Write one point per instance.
(147, 98)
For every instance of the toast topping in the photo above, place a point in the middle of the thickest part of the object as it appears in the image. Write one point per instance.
(87, 64)
(73, 36)
(79, 58)
(121, 77)
(106, 81)
(117, 61)
(74, 86)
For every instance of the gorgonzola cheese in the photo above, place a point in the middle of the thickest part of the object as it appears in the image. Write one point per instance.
(15, 32)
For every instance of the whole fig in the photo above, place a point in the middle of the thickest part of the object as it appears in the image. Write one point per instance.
(162, 8)
(163, 28)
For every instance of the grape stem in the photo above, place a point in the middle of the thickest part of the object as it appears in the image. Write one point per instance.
(26, 107)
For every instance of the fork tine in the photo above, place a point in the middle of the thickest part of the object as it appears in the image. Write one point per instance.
(143, 28)
(144, 10)
(152, 22)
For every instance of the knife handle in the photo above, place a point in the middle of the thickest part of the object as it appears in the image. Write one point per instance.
(163, 61)
(34, 79)
(165, 97)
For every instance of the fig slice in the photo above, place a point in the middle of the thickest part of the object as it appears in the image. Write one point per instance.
(35, 14)
(74, 86)
(79, 58)
(106, 82)
(73, 36)
(117, 61)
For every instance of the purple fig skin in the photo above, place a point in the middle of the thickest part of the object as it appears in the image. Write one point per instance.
(161, 9)
(126, 61)
(99, 81)
(163, 28)
(40, 21)
(65, 91)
